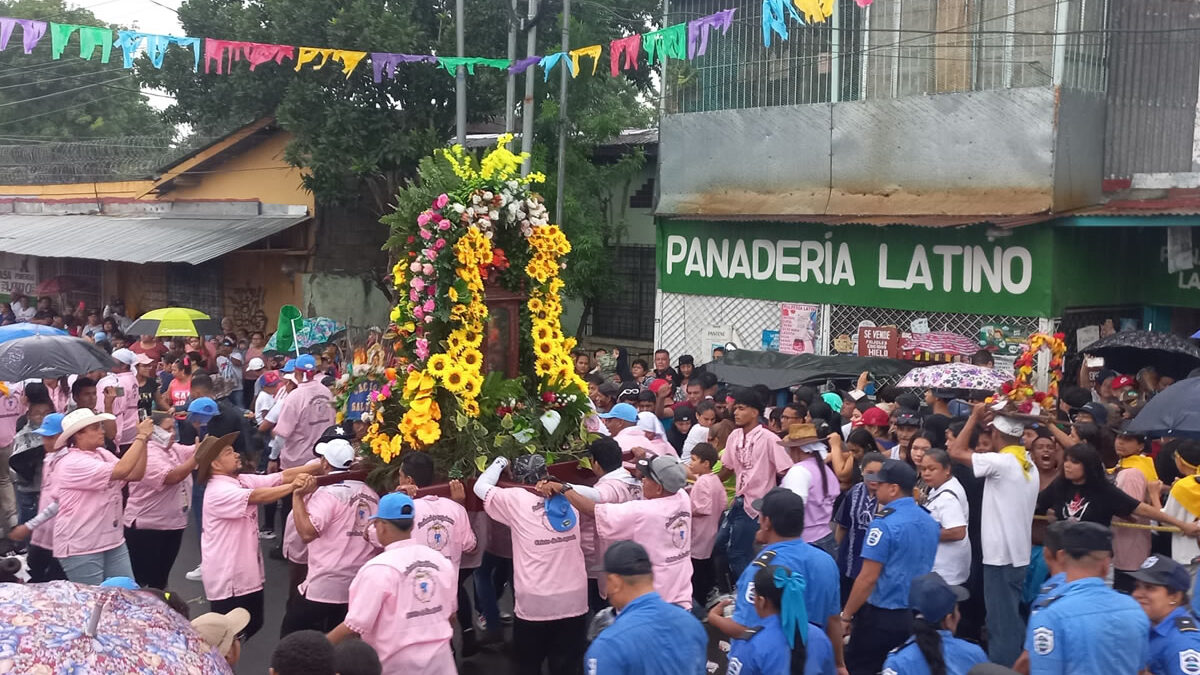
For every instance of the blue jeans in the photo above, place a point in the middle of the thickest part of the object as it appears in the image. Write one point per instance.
(27, 505)
(737, 537)
(490, 577)
(1002, 588)
(198, 503)
(94, 568)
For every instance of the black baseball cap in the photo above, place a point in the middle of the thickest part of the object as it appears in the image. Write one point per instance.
(1080, 537)
(907, 418)
(627, 559)
(1097, 410)
(687, 359)
(685, 413)
(1161, 570)
(1124, 431)
(784, 507)
(894, 471)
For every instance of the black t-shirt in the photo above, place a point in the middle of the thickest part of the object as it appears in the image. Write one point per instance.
(1092, 504)
(147, 394)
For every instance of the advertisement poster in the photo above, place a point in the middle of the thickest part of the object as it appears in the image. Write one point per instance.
(17, 273)
(713, 337)
(882, 341)
(798, 328)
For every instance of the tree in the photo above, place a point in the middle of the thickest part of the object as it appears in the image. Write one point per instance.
(68, 99)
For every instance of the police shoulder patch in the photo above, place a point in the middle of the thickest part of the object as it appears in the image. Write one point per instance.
(888, 671)
(1046, 602)
(765, 559)
(1043, 640)
(873, 536)
(1189, 662)
(884, 513)
(1186, 624)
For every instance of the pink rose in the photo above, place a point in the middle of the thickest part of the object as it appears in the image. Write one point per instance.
(427, 269)
(429, 254)
(418, 312)
(415, 268)
(418, 283)
(423, 219)
(441, 202)
(428, 306)
(429, 319)
(444, 225)
(439, 244)
(413, 295)
(425, 234)
(422, 349)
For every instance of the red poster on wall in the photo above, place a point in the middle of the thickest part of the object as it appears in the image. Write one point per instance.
(879, 341)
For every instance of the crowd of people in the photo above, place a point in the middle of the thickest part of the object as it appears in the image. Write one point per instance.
(860, 530)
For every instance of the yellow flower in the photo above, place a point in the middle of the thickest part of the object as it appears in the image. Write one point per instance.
(534, 304)
(541, 331)
(543, 365)
(544, 348)
(437, 365)
(471, 358)
(471, 387)
(429, 433)
(470, 408)
(453, 294)
(454, 379)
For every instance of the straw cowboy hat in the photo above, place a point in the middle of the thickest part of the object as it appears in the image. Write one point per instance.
(78, 420)
(209, 448)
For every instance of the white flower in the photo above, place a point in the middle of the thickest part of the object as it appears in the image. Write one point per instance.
(513, 185)
(488, 234)
(494, 215)
(487, 195)
(458, 208)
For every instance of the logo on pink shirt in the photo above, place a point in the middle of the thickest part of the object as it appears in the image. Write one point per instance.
(423, 586)
(678, 526)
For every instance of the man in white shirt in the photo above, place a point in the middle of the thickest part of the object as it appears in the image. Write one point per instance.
(1006, 522)
(947, 503)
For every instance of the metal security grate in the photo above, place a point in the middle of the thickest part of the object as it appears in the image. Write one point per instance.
(628, 312)
(844, 320)
(686, 319)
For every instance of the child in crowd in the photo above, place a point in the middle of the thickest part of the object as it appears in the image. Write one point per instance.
(708, 503)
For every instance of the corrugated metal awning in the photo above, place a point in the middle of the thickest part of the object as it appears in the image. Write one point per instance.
(135, 238)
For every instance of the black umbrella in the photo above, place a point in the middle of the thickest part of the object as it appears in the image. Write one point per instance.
(1129, 351)
(48, 356)
(1174, 411)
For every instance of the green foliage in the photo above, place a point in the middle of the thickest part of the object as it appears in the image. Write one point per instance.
(68, 99)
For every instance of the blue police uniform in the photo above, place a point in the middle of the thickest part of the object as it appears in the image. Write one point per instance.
(766, 652)
(822, 590)
(960, 656)
(903, 538)
(1086, 629)
(621, 648)
(1048, 590)
(1175, 645)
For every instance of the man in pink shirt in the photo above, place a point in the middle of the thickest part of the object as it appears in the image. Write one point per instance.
(303, 415)
(119, 390)
(708, 503)
(230, 559)
(401, 601)
(444, 526)
(621, 422)
(755, 456)
(661, 522)
(614, 486)
(333, 522)
(549, 574)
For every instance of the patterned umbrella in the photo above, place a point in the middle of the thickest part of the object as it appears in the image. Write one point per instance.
(940, 342)
(315, 331)
(1129, 351)
(954, 376)
(61, 627)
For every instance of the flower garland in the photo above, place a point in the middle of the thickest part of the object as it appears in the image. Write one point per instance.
(1020, 391)
(552, 353)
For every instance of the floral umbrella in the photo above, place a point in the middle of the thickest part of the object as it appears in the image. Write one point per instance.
(61, 627)
(954, 376)
(315, 331)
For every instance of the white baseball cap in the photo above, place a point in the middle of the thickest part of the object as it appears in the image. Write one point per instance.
(130, 358)
(338, 452)
(255, 364)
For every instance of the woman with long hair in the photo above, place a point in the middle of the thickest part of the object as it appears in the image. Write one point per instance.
(1084, 493)
(933, 649)
(784, 642)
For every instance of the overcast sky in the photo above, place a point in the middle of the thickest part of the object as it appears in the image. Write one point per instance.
(147, 16)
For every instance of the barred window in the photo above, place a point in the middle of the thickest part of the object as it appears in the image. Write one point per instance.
(628, 311)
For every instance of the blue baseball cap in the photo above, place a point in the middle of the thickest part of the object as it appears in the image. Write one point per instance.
(99, 336)
(121, 582)
(621, 411)
(288, 366)
(933, 598)
(306, 363)
(395, 506)
(204, 407)
(560, 514)
(51, 425)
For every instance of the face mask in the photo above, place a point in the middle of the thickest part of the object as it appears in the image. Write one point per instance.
(161, 436)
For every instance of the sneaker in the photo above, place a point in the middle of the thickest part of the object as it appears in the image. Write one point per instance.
(194, 575)
(266, 534)
(506, 617)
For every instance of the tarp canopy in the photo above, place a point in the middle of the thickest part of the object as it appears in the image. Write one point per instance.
(745, 368)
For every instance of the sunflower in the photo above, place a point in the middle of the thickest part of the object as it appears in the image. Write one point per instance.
(472, 338)
(471, 358)
(541, 332)
(543, 365)
(454, 379)
(534, 304)
(544, 348)
(471, 387)
(471, 408)
(437, 365)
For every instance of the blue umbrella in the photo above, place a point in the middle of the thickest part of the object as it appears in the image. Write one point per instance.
(21, 330)
(1172, 412)
(1196, 335)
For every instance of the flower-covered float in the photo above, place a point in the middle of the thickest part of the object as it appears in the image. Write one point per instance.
(479, 365)
(1020, 395)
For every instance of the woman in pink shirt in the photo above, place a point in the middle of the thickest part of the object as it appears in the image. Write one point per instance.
(89, 541)
(157, 511)
(230, 559)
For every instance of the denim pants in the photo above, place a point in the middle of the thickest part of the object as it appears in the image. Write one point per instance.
(1002, 587)
(94, 568)
(736, 536)
(27, 505)
(491, 575)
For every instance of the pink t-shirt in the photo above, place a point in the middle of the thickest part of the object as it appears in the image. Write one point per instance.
(664, 527)
(818, 507)
(43, 537)
(614, 487)
(708, 503)
(154, 505)
(294, 548)
(178, 392)
(12, 406)
(303, 416)
(442, 525)
(60, 396)
(230, 558)
(756, 459)
(124, 407)
(630, 438)
(549, 575)
(341, 513)
(89, 516)
(401, 602)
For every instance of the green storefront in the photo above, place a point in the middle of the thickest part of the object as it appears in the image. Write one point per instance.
(1075, 269)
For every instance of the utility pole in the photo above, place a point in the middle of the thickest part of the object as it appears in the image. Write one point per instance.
(510, 88)
(527, 111)
(562, 113)
(461, 76)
